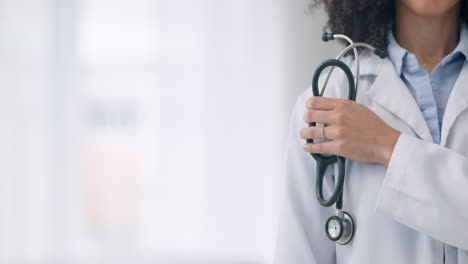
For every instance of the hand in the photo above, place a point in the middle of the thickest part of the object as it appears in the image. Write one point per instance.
(356, 133)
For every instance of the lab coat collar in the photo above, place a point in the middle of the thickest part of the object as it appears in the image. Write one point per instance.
(457, 103)
(390, 92)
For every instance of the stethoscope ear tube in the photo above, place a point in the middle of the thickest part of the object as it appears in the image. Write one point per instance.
(343, 67)
(336, 196)
(340, 227)
(324, 161)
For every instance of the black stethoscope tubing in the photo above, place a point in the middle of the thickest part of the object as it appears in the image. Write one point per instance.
(342, 221)
(323, 161)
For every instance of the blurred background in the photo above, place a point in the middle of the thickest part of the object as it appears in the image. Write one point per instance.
(148, 131)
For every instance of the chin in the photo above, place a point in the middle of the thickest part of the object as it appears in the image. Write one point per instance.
(429, 7)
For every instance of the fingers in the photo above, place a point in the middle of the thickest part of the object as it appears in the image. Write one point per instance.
(322, 103)
(316, 132)
(328, 147)
(333, 112)
(319, 110)
(318, 116)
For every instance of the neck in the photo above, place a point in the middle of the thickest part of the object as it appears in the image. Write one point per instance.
(429, 38)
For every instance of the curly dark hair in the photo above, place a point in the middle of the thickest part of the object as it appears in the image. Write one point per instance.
(366, 21)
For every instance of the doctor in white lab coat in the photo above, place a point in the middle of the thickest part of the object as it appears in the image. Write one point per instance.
(408, 194)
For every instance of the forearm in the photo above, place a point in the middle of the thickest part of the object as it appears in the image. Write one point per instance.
(425, 188)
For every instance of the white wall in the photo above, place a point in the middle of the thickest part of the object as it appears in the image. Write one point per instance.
(235, 69)
(148, 130)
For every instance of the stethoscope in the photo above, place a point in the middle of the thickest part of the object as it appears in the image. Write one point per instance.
(339, 227)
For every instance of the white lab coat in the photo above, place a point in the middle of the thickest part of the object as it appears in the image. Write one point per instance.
(415, 211)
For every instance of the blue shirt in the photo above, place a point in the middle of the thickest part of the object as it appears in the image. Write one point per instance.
(430, 90)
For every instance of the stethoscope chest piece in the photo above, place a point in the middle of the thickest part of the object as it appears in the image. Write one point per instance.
(340, 228)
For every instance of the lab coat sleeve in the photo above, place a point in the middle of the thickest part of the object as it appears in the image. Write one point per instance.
(301, 234)
(426, 188)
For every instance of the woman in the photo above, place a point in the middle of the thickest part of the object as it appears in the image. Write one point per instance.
(405, 140)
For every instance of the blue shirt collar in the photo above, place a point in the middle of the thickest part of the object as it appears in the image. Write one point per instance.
(399, 55)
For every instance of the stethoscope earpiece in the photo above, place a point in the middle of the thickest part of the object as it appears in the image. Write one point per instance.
(327, 36)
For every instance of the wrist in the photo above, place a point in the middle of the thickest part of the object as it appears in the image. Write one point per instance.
(389, 141)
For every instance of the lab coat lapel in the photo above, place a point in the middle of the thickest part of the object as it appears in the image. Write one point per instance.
(457, 103)
(390, 92)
